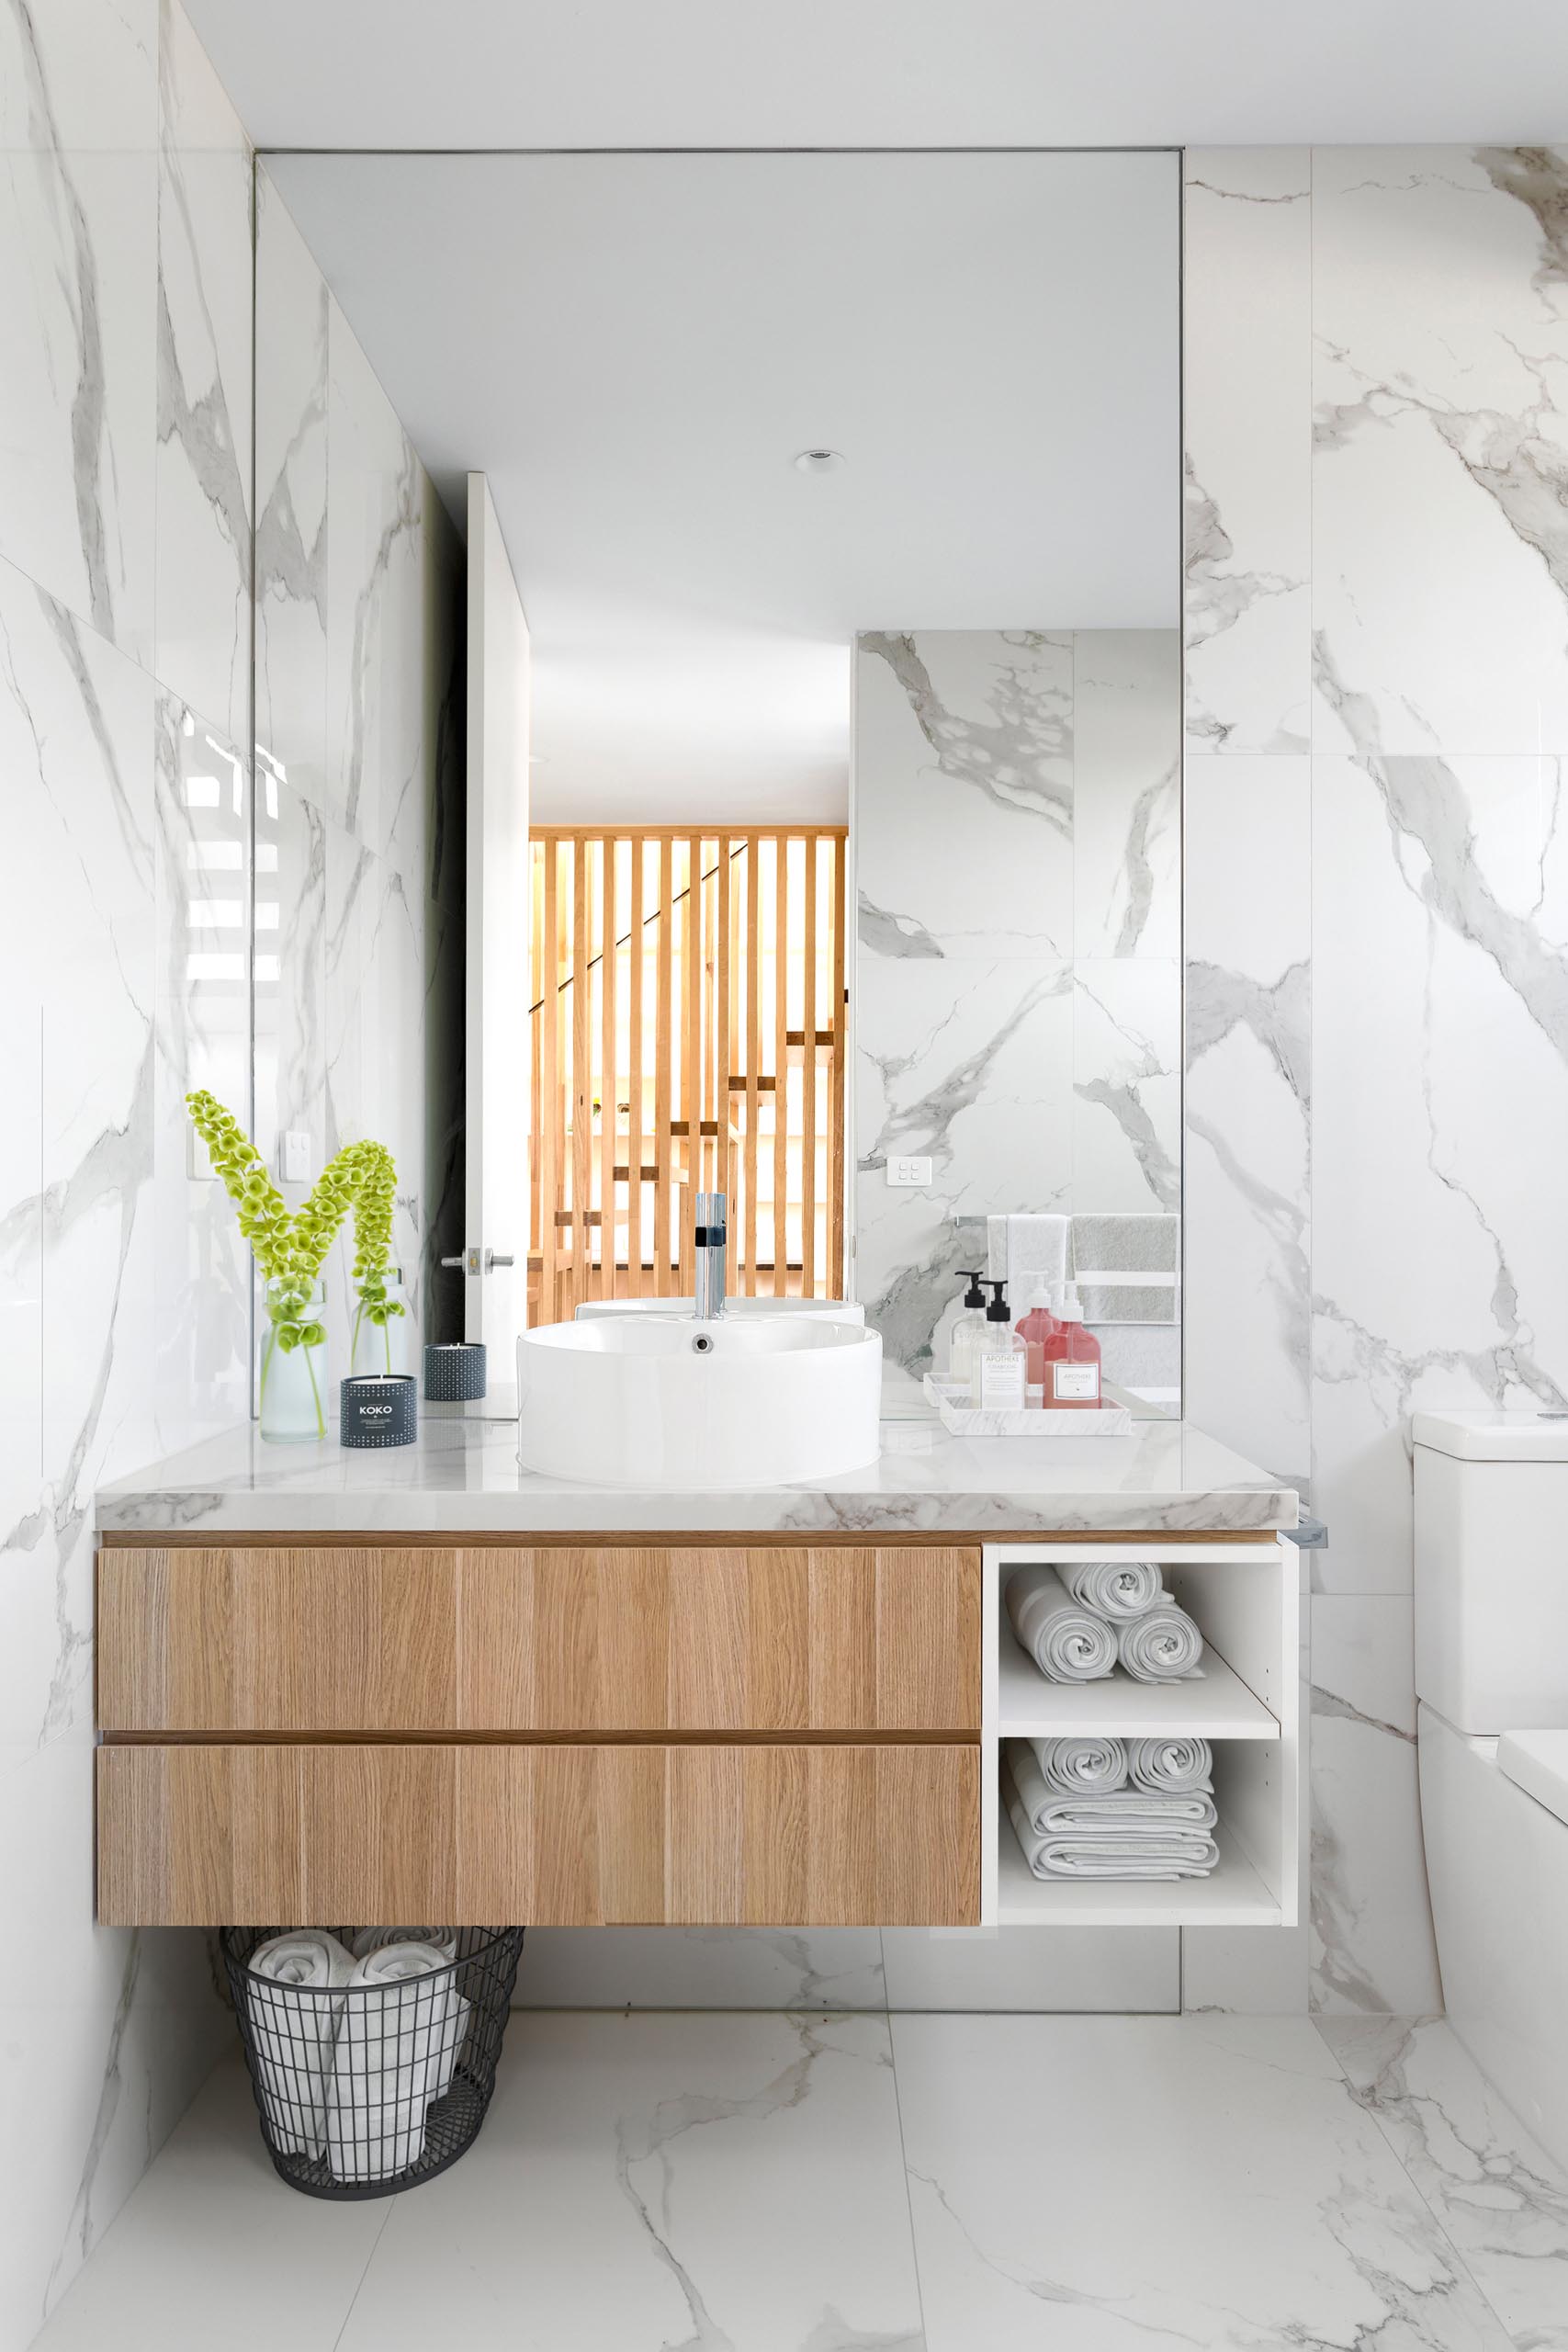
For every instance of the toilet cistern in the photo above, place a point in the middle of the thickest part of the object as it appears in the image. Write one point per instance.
(711, 1238)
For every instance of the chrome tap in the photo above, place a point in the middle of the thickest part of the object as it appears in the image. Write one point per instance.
(710, 1239)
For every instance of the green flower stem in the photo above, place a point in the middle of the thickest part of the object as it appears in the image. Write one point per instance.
(315, 1391)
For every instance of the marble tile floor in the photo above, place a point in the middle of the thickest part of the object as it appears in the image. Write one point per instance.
(751, 2181)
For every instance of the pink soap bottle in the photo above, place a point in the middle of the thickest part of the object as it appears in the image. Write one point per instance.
(1071, 1359)
(1034, 1326)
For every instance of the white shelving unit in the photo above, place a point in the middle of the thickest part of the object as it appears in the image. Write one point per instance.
(1245, 1598)
(1219, 1707)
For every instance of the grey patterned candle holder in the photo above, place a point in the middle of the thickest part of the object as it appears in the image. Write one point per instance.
(378, 1409)
(455, 1372)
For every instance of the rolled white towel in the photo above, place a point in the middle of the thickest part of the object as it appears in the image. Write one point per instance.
(1116, 1588)
(1171, 1767)
(1162, 1646)
(1098, 1853)
(369, 1939)
(1124, 1812)
(293, 2027)
(1066, 1641)
(403, 2026)
(1085, 1766)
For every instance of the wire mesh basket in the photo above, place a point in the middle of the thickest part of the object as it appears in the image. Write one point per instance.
(372, 2050)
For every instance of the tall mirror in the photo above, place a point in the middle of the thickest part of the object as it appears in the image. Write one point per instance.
(841, 495)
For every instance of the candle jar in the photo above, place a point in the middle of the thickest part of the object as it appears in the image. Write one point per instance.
(453, 1372)
(378, 1409)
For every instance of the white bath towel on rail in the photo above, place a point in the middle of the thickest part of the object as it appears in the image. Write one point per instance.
(294, 2024)
(1066, 1641)
(1023, 1250)
(403, 2026)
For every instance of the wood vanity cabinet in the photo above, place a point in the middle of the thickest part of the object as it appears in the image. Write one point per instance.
(757, 1734)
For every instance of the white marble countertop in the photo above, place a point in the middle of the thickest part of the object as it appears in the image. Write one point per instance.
(463, 1475)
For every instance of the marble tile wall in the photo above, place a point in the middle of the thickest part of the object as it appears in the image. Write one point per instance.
(133, 913)
(1017, 986)
(1377, 893)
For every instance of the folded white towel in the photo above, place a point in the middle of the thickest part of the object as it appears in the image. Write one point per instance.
(1171, 1765)
(1082, 1766)
(403, 2026)
(1066, 1641)
(1098, 1853)
(293, 2027)
(1162, 1646)
(1111, 1811)
(1116, 1588)
(369, 1939)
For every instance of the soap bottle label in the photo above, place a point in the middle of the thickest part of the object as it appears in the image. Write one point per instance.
(1075, 1384)
(1001, 1383)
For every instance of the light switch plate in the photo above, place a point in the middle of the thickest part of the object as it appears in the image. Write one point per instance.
(296, 1156)
(909, 1172)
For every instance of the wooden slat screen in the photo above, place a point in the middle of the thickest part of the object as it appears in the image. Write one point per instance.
(677, 1049)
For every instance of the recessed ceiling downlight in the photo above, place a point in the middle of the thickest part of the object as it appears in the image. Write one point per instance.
(819, 461)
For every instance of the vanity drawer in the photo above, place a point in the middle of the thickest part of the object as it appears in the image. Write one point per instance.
(787, 1834)
(319, 1638)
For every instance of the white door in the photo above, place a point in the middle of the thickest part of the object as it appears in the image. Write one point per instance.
(495, 1256)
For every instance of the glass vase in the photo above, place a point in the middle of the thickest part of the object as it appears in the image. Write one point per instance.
(292, 1392)
(380, 1341)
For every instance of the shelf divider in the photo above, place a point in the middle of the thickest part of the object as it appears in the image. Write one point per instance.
(1030, 1706)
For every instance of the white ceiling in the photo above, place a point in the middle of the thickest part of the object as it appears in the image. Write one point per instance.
(920, 73)
(633, 348)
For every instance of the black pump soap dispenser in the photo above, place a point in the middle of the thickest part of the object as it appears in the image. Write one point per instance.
(997, 1366)
(971, 1322)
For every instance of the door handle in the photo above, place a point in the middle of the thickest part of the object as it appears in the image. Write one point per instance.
(480, 1262)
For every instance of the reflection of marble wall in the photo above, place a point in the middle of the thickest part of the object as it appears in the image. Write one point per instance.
(125, 705)
(1016, 1001)
(1377, 896)
(359, 698)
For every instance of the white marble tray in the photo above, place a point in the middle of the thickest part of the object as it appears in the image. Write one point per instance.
(971, 1421)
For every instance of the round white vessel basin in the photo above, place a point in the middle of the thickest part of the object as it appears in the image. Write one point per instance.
(644, 1400)
(736, 1310)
